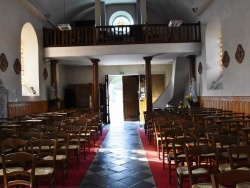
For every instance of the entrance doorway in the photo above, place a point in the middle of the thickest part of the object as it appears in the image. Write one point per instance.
(116, 99)
(123, 98)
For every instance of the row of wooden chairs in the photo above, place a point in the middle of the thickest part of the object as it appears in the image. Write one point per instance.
(163, 129)
(50, 155)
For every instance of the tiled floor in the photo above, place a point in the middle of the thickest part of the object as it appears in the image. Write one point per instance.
(121, 160)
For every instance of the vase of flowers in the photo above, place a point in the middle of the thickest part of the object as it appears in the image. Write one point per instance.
(189, 99)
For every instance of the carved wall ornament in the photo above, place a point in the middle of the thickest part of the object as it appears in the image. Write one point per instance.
(225, 59)
(200, 68)
(239, 54)
(45, 73)
(3, 62)
(17, 66)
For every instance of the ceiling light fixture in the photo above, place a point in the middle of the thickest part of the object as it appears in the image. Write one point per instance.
(64, 26)
(175, 23)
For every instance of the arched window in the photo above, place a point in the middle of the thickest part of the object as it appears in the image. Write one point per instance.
(121, 18)
(29, 61)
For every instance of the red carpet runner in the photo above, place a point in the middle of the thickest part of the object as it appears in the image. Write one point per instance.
(160, 175)
(75, 176)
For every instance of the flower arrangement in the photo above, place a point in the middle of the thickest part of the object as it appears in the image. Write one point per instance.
(189, 98)
(57, 98)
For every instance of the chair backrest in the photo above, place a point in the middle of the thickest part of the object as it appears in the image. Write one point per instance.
(204, 135)
(179, 145)
(33, 135)
(21, 161)
(44, 148)
(239, 157)
(12, 145)
(225, 141)
(62, 138)
(50, 131)
(230, 178)
(197, 161)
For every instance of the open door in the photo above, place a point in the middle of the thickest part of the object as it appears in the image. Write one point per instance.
(130, 98)
(107, 117)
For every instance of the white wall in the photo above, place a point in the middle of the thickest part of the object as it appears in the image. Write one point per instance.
(80, 75)
(14, 14)
(235, 28)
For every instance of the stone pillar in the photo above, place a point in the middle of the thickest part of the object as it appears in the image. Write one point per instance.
(95, 99)
(53, 74)
(148, 83)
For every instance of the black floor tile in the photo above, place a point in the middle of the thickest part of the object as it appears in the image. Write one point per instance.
(121, 160)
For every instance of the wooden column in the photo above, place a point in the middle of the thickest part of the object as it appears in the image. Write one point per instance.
(148, 83)
(95, 100)
(53, 64)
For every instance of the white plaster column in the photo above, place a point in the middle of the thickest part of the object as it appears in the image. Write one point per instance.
(137, 13)
(97, 12)
(103, 14)
(143, 8)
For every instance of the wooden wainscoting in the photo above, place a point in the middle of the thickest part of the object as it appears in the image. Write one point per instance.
(20, 108)
(235, 104)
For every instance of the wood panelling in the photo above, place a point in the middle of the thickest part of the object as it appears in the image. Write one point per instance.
(235, 104)
(26, 107)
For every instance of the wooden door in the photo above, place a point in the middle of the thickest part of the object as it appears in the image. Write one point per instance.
(107, 117)
(130, 98)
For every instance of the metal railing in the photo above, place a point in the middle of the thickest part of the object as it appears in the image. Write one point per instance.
(129, 34)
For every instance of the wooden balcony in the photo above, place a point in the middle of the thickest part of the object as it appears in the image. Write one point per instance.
(129, 34)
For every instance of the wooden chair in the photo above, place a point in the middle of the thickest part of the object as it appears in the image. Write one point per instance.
(221, 143)
(45, 150)
(62, 156)
(85, 135)
(31, 135)
(13, 145)
(19, 175)
(204, 135)
(239, 157)
(50, 131)
(148, 125)
(160, 125)
(62, 138)
(179, 145)
(200, 170)
(231, 178)
(74, 142)
(92, 128)
(167, 148)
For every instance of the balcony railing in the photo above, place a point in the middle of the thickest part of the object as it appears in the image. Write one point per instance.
(129, 34)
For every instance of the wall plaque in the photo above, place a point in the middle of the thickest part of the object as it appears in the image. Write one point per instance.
(17, 66)
(200, 68)
(45, 73)
(239, 54)
(3, 62)
(225, 59)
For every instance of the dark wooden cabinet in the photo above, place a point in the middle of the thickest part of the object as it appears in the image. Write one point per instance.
(83, 95)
